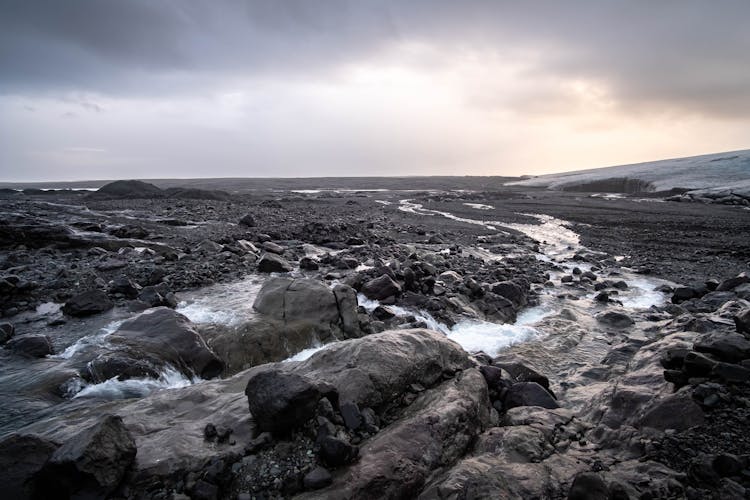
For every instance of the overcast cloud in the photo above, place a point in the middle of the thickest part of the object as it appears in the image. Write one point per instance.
(146, 88)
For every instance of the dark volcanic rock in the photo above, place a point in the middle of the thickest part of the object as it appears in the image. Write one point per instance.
(21, 458)
(336, 452)
(120, 365)
(165, 335)
(88, 303)
(731, 347)
(305, 299)
(742, 321)
(615, 319)
(381, 288)
(271, 247)
(90, 464)
(317, 478)
(272, 263)
(248, 220)
(529, 394)
(511, 291)
(34, 345)
(676, 411)
(588, 486)
(281, 402)
(522, 373)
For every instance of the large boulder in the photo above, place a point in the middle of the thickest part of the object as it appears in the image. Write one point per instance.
(616, 319)
(291, 299)
(511, 291)
(529, 394)
(381, 288)
(162, 334)
(281, 402)
(91, 464)
(88, 303)
(272, 263)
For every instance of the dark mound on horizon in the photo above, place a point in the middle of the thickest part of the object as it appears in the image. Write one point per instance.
(134, 189)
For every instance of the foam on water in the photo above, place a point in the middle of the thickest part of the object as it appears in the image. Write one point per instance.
(491, 338)
(306, 353)
(641, 294)
(223, 304)
(169, 378)
(98, 339)
(479, 206)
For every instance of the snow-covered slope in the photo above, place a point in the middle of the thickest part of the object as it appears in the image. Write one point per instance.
(715, 171)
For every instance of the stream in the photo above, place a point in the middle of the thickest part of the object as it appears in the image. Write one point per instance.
(230, 305)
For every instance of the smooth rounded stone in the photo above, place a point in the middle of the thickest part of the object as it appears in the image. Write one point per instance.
(381, 288)
(588, 486)
(34, 345)
(163, 334)
(91, 463)
(615, 319)
(529, 394)
(317, 478)
(272, 263)
(742, 321)
(7, 331)
(281, 402)
(676, 411)
(731, 347)
(22, 456)
(271, 247)
(247, 221)
(88, 303)
(308, 264)
(566, 279)
(336, 452)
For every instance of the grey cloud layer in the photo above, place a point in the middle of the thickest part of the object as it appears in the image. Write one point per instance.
(684, 54)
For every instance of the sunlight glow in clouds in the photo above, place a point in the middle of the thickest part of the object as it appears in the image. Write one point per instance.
(421, 103)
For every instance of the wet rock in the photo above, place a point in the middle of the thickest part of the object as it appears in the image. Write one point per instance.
(697, 365)
(588, 486)
(381, 288)
(33, 345)
(317, 478)
(383, 313)
(346, 301)
(272, 263)
(21, 459)
(281, 402)
(88, 303)
(615, 319)
(165, 335)
(158, 296)
(247, 221)
(732, 283)
(683, 293)
(730, 372)
(731, 347)
(529, 394)
(336, 452)
(120, 365)
(7, 331)
(92, 463)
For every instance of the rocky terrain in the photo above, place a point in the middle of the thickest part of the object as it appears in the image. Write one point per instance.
(167, 342)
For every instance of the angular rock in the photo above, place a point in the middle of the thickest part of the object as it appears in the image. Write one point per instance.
(280, 402)
(91, 463)
(522, 373)
(271, 247)
(34, 345)
(272, 263)
(677, 411)
(732, 283)
(381, 288)
(351, 415)
(124, 285)
(21, 458)
(511, 291)
(742, 321)
(308, 264)
(731, 347)
(88, 303)
(588, 486)
(529, 394)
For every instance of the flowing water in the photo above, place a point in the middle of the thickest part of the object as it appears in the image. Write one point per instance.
(24, 383)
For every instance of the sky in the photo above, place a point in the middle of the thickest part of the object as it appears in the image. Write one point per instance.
(93, 89)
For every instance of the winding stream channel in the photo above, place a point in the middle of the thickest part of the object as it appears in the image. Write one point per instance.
(230, 305)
